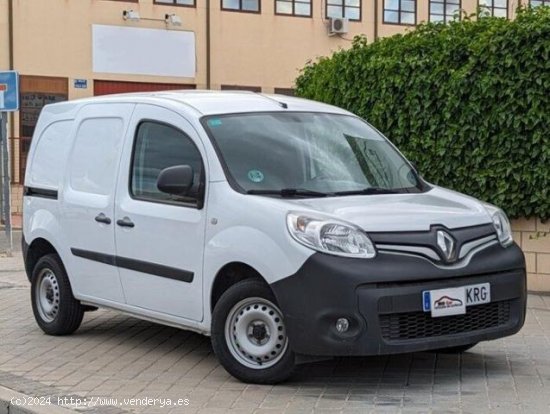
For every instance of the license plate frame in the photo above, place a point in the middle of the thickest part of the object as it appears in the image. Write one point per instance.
(455, 300)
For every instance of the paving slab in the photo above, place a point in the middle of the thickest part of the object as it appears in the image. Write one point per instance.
(118, 364)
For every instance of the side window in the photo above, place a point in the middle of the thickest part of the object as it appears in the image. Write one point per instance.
(50, 153)
(95, 156)
(159, 146)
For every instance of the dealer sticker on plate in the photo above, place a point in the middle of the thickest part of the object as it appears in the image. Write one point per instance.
(454, 301)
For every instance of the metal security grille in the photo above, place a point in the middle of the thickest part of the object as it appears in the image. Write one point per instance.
(415, 325)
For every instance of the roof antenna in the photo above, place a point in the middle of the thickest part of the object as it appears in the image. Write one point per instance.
(283, 105)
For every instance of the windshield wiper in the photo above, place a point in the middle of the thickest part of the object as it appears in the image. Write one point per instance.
(366, 191)
(289, 192)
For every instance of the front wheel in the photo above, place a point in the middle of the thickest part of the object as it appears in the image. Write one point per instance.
(249, 335)
(55, 309)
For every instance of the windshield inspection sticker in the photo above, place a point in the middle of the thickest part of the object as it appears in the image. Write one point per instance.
(256, 176)
(216, 122)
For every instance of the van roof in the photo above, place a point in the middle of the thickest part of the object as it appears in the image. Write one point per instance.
(205, 102)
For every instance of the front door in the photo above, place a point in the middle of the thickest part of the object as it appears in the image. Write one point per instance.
(159, 237)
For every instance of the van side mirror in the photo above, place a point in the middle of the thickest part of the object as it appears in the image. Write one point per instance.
(176, 180)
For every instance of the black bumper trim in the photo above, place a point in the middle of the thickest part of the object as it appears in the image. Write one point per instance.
(328, 287)
(25, 253)
(137, 265)
(413, 326)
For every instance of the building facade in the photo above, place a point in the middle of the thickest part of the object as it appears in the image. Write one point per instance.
(71, 49)
(68, 49)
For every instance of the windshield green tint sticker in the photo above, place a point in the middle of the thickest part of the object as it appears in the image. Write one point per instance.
(255, 176)
(216, 122)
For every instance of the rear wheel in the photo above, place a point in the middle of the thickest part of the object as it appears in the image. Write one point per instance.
(55, 309)
(249, 334)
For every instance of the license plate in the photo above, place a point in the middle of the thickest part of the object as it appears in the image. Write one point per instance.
(454, 301)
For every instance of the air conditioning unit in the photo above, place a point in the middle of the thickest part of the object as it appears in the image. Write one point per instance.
(338, 25)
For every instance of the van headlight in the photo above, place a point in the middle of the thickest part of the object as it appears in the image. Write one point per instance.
(501, 224)
(330, 236)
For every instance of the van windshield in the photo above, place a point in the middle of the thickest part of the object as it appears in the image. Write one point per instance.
(308, 154)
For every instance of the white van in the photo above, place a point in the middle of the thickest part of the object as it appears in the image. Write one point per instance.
(285, 229)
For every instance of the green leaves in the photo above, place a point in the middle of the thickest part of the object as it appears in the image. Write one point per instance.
(469, 102)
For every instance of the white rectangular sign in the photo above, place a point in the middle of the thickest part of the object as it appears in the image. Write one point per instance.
(140, 51)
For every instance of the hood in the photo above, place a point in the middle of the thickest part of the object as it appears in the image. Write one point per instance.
(401, 212)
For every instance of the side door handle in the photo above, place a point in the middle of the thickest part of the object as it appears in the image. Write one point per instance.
(102, 218)
(125, 222)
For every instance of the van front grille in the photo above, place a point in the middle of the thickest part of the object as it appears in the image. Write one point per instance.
(416, 325)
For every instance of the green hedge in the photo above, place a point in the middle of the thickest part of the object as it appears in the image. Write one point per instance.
(468, 102)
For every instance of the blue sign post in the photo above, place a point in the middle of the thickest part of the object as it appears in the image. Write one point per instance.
(9, 102)
(9, 91)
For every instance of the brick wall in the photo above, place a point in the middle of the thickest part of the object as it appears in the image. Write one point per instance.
(534, 238)
(16, 199)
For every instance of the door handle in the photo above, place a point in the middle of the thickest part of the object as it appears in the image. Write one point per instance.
(125, 222)
(102, 218)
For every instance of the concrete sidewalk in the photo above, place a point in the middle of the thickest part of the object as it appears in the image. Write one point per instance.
(113, 357)
(16, 242)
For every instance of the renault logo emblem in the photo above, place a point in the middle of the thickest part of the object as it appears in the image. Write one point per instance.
(447, 245)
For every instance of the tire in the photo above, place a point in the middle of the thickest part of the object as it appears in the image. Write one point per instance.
(456, 349)
(252, 352)
(55, 309)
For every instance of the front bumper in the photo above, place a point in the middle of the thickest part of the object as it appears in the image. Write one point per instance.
(382, 298)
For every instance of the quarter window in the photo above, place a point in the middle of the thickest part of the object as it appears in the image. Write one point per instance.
(159, 146)
(249, 6)
(497, 8)
(52, 148)
(443, 11)
(93, 167)
(400, 12)
(293, 7)
(349, 9)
